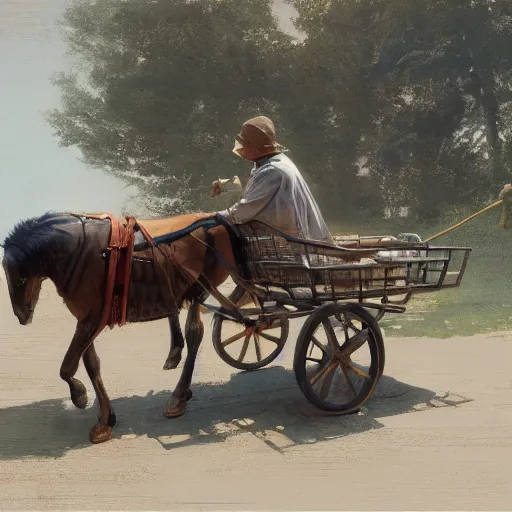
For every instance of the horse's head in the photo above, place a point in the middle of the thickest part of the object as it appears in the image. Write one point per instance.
(28, 258)
(24, 290)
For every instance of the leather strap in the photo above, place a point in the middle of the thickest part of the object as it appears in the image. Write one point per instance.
(117, 284)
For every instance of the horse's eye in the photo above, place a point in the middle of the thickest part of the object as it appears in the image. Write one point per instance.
(22, 282)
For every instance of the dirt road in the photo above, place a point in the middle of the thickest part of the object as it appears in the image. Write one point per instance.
(436, 435)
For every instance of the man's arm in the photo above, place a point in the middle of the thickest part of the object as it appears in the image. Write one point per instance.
(261, 188)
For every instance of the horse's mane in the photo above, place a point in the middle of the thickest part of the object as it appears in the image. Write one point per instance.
(26, 245)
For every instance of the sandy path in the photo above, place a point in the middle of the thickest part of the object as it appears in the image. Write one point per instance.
(410, 450)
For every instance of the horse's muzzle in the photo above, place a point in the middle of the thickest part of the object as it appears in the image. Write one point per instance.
(25, 316)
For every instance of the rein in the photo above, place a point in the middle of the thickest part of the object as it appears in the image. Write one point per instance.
(205, 284)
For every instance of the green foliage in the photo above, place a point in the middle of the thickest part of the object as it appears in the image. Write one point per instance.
(165, 85)
(386, 103)
(423, 78)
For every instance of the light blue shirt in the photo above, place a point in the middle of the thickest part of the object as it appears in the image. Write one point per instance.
(278, 195)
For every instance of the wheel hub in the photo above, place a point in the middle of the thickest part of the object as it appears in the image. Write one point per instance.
(342, 357)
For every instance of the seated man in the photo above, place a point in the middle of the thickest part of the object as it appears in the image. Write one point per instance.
(276, 193)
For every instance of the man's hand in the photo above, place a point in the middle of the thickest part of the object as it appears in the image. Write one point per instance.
(216, 190)
(232, 184)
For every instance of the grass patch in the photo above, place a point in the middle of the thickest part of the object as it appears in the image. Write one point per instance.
(483, 303)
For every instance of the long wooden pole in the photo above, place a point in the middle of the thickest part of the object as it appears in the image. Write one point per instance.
(487, 208)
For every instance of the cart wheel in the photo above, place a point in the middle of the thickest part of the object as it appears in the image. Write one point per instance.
(377, 314)
(243, 349)
(339, 357)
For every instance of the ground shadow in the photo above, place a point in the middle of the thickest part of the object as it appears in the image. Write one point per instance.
(266, 403)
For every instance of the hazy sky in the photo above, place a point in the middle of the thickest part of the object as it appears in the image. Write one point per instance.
(36, 174)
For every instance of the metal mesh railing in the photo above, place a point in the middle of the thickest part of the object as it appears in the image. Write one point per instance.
(328, 272)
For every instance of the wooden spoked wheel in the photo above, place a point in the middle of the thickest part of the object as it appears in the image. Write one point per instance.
(377, 314)
(339, 357)
(247, 348)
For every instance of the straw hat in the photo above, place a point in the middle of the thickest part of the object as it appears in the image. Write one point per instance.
(259, 133)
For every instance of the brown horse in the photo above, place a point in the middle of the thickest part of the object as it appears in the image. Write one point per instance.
(69, 250)
(162, 226)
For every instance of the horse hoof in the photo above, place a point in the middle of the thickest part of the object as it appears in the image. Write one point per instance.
(79, 396)
(174, 359)
(171, 364)
(176, 406)
(81, 401)
(100, 434)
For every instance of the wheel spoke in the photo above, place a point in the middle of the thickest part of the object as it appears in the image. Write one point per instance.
(346, 323)
(318, 344)
(331, 335)
(359, 372)
(347, 378)
(326, 385)
(352, 326)
(355, 343)
(328, 368)
(245, 346)
(234, 338)
(314, 359)
(246, 300)
(257, 346)
(269, 337)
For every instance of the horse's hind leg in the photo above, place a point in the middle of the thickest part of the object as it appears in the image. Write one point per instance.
(81, 340)
(177, 343)
(194, 334)
(102, 431)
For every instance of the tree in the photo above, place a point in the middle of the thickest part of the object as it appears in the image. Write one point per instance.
(462, 47)
(384, 104)
(430, 84)
(334, 104)
(164, 87)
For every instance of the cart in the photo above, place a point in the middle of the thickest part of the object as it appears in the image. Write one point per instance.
(343, 290)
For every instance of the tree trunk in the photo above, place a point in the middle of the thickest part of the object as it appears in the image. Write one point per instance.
(485, 96)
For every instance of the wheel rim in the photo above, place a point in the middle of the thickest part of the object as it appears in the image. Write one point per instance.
(247, 345)
(250, 348)
(376, 313)
(340, 361)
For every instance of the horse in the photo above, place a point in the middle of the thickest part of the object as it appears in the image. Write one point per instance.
(70, 250)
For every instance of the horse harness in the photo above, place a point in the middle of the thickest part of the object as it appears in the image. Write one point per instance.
(124, 239)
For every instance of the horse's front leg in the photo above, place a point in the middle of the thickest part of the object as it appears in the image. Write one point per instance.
(177, 343)
(194, 334)
(81, 340)
(102, 431)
